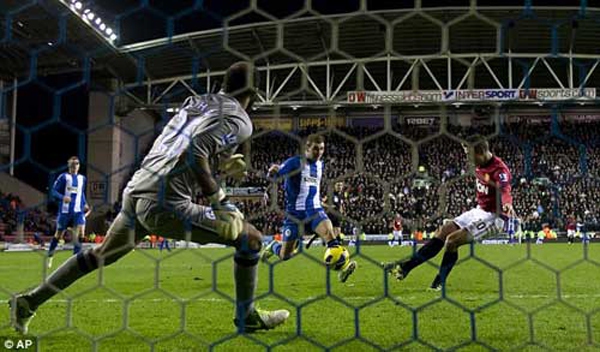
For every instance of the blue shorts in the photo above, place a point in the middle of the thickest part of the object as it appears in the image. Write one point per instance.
(65, 219)
(290, 227)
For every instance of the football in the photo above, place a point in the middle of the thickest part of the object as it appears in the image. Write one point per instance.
(336, 257)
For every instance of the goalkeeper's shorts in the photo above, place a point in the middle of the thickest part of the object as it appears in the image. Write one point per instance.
(183, 221)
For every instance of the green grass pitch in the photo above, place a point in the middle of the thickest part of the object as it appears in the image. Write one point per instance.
(180, 301)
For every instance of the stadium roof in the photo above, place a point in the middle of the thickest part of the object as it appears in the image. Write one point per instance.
(496, 31)
(363, 36)
(45, 35)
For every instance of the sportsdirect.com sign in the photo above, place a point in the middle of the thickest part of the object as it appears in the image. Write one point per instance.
(408, 96)
(475, 95)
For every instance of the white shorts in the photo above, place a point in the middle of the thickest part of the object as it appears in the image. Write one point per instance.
(571, 233)
(479, 223)
(397, 234)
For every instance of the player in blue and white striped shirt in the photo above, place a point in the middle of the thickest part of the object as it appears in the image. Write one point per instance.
(303, 203)
(69, 191)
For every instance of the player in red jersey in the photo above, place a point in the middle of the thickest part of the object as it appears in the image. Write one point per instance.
(571, 229)
(396, 231)
(494, 207)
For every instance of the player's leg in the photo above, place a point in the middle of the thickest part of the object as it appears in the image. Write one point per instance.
(284, 249)
(402, 268)
(337, 229)
(473, 224)
(120, 239)
(164, 244)
(453, 242)
(323, 227)
(61, 225)
(52, 248)
(197, 223)
(249, 318)
(288, 249)
(77, 238)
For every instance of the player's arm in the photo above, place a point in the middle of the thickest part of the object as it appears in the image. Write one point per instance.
(285, 168)
(504, 178)
(205, 179)
(58, 188)
(229, 220)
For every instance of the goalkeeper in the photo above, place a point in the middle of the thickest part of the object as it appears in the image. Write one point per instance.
(158, 199)
(303, 204)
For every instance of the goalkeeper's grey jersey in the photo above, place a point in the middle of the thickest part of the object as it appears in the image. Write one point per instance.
(204, 127)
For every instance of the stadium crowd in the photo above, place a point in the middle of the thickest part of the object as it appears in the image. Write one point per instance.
(549, 182)
(549, 168)
(13, 210)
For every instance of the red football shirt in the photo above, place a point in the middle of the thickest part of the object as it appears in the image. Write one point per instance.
(492, 178)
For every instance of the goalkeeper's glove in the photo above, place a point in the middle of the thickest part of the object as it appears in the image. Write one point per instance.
(229, 219)
(233, 166)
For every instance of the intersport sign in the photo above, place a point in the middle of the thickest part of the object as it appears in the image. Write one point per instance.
(473, 95)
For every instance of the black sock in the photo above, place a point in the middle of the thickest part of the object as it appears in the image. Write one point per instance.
(448, 262)
(436, 281)
(245, 273)
(428, 251)
(70, 271)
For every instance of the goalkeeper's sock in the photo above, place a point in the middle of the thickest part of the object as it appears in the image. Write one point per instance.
(245, 271)
(428, 251)
(70, 271)
(53, 245)
(448, 262)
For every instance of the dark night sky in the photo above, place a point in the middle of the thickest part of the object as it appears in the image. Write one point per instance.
(52, 142)
(151, 23)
